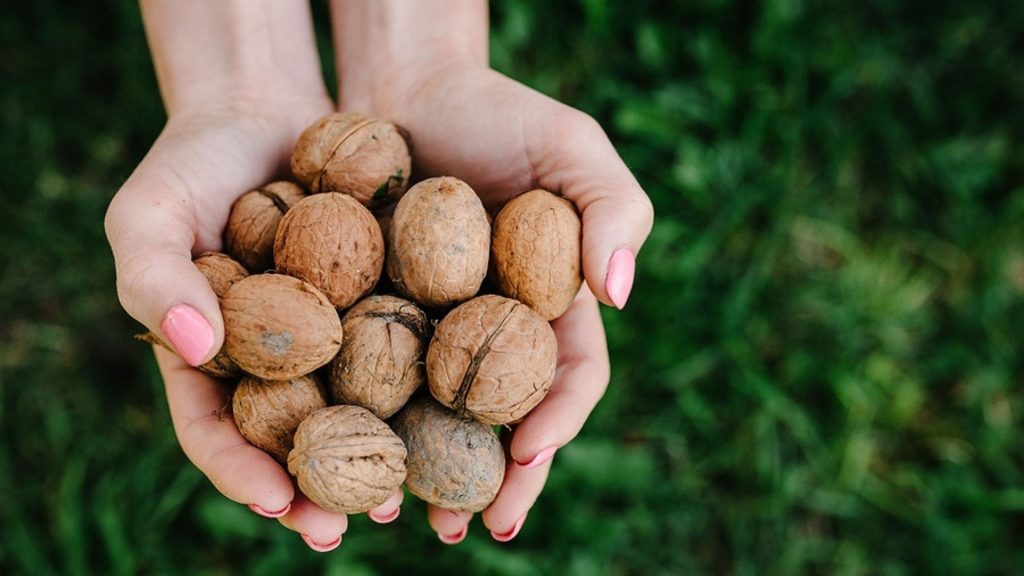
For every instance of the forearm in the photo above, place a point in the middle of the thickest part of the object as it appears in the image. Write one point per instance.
(382, 42)
(222, 50)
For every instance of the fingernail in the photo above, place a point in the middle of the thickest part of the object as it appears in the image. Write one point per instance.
(619, 282)
(189, 333)
(321, 547)
(541, 457)
(454, 538)
(277, 514)
(384, 519)
(511, 533)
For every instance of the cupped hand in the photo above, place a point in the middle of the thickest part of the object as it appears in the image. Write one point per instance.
(503, 138)
(173, 207)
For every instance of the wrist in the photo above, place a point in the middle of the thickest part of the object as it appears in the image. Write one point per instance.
(387, 47)
(211, 54)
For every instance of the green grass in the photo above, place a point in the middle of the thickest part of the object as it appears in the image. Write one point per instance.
(820, 369)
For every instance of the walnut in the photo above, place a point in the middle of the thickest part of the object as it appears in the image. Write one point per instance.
(267, 412)
(277, 327)
(380, 363)
(453, 462)
(249, 235)
(439, 243)
(492, 358)
(535, 252)
(333, 242)
(367, 158)
(346, 459)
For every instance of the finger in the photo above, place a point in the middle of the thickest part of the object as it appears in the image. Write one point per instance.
(580, 381)
(573, 156)
(151, 228)
(388, 511)
(451, 525)
(212, 442)
(319, 529)
(507, 514)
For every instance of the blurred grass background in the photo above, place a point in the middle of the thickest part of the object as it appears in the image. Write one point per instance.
(820, 369)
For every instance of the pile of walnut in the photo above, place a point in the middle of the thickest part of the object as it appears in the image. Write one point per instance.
(332, 325)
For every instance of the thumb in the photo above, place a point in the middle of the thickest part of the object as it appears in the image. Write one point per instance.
(579, 161)
(151, 230)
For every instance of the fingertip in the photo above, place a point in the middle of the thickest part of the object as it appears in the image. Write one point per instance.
(388, 511)
(190, 333)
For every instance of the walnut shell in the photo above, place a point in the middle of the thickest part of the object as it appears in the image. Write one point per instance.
(220, 270)
(380, 362)
(333, 242)
(249, 235)
(492, 358)
(535, 252)
(277, 327)
(267, 412)
(346, 459)
(439, 243)
(367, 158)
(453, 462)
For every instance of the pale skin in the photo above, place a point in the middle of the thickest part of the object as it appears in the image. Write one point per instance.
(240, 79)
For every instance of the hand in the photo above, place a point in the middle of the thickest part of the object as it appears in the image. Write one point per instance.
(174, 206)
(503, 139)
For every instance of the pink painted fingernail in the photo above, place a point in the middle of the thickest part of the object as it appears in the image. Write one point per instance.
(277, 514)
(541, 457)
(189, 333)
(619, 282)
(384, 519)
(321, 547)
(454, 538)
(511, 533)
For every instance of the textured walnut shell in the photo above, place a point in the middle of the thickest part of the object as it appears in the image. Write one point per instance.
(535, 252)
(333, 242)
(267, 412)
(367, 158)
(380, 362)
(346, 459)
(439, 243)
(454, 462)
(277, 327)
(249, 235)
(492, 358)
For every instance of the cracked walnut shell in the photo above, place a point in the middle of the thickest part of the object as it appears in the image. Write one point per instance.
(492, 358)
(367, 158)
(249, 235)
(267, 412)
(346, 459)
(277, 327)
(453, 461)
(535, 252)
(333, 242)
(380, 362)
(438, 243)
